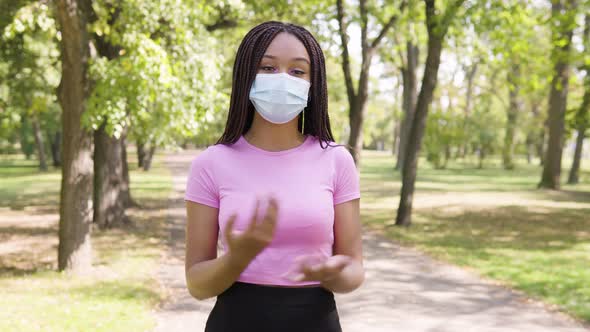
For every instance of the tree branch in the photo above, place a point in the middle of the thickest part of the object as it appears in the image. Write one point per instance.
(389, 24)
(222, 23)
(399, 51)
(364, 23)
(449, 14)
(345, 55)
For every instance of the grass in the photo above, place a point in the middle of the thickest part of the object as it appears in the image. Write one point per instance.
(494, 222)
(120, 293)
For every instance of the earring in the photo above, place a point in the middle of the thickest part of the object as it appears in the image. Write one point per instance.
(303, 122)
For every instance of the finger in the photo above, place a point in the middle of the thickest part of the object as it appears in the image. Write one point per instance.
(229, 225)
(338, 262)
(270, 218)
(295, 268)
(321, 273)
(310, 259)
(312, 271)
(299, 277)
(254, 219)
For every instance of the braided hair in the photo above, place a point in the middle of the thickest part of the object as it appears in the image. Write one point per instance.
(250, 52)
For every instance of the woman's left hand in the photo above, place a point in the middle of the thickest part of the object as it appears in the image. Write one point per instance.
(311, 269)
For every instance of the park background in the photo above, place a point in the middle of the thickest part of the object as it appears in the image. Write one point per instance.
(468, 121)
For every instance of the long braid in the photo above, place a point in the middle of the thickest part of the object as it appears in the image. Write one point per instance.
(250, 52)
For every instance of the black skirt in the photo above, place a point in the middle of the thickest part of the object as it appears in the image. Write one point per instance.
(246, 307)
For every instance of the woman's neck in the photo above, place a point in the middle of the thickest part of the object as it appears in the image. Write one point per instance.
(273, 137)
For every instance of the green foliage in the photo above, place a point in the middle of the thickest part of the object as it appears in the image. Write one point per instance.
(29, 75)
(444, 131)
(164, 81)
(380, 119)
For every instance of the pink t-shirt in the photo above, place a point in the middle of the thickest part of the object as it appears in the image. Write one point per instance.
(306, 180)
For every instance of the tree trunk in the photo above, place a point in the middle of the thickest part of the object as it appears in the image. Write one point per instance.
(75, 223)
(111, 190)
(109, 201)
(462, 150)
(410, 168)
(40, 144)
(530, 147)
(575, 170)
(557, 100)
(437, 26)
(543, 142)
(357, 100)
(511, 117)
(396, 138)
(147, 162)
(582, 115)
(355, 121)
(469, 94)
(55, 148)
(27, 147)
(539, 135)
(140, 153)
(126, 185)
(481, 157)
(410, 87)
(447, 156)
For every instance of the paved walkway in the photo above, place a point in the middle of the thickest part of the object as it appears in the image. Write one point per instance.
(404, 290)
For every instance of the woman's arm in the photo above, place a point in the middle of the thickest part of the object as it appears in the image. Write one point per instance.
(208, 275)
(343, 272)
(347, 243)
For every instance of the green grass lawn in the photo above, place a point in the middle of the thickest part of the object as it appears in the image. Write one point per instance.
(122, 291)
(493, 221)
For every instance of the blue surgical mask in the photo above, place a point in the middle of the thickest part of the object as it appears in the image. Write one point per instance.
(279, 98)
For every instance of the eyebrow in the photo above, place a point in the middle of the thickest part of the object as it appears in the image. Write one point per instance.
(296, 59)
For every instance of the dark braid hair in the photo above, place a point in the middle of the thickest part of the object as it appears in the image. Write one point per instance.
(250, 52)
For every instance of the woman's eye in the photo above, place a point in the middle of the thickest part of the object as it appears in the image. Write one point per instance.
(298, 72)
(267, 68)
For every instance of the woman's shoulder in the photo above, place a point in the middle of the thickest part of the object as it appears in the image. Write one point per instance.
(211, 154)
(332, 148)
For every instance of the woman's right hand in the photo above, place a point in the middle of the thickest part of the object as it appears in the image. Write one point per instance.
(245, 245)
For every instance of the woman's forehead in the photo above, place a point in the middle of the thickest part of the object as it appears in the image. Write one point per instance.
(285, 46)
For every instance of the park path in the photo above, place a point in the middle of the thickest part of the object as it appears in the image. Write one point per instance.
(404, 290)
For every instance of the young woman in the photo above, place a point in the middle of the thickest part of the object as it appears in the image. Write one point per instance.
(277, 191)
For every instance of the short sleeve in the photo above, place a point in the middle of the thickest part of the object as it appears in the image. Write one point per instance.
(346, 177)
(200, 184)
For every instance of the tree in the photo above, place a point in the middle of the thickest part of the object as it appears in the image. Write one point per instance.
(563, 23)
(111, 187)
(582, 118)
(409, 57)
(410, 84)
(357, 99)
(513, 79)
(437, 26)
(30, 52)
(153, 82)
(75, 249)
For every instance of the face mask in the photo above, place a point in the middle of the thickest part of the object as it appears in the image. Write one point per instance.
(279, 98)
